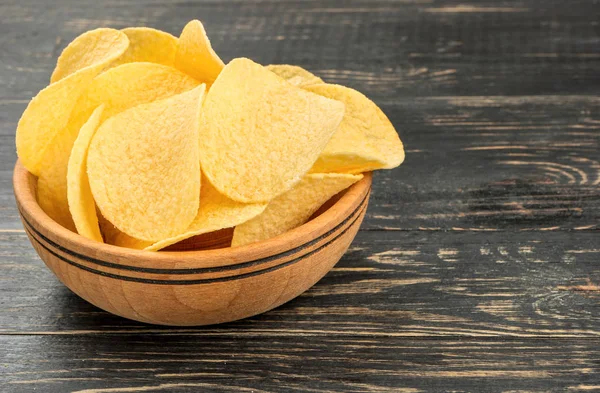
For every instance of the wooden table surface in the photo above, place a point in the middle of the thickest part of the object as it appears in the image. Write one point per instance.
(477, 267)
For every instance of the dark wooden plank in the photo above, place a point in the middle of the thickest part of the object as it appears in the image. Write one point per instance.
(394, 283)
(412, 47)
(497, 163)
(294, 363)
(481, 155)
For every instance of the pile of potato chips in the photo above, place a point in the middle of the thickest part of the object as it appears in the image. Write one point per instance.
(143, 139)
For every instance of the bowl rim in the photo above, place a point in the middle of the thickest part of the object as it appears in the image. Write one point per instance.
(192, 261)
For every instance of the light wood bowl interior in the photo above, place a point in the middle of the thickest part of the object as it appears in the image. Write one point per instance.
(198, 287)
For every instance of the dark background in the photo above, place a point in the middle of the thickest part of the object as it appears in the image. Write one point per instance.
(477, 267)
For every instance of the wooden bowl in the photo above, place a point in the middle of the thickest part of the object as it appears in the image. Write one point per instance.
(187, 288)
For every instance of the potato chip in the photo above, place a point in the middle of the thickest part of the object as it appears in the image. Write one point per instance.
(81, 201)
(366, 140)
(195, 56)
(46, 116)
(292, 208)
(148, 45)
(49, 111)
(112, 235)
(99, 46)
(118, 89)
(297, 76)
(129, 85)
(52, 182)
(260, 134)
(144, 167)
(216, 212)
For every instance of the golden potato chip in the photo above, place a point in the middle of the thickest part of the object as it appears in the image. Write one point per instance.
(216, 212)
(48, 113)
(297, 76)
(148, 45)
(260, 134)
(365, 140)
(81, 201)
(99, 46)
(46, 116)
(144, 168)
(52, 182)
(112, 235)
(118, 89)
(292, 208)
(129, 85)
(195, 56)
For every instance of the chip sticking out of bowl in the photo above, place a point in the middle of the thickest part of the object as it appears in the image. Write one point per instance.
(365, 141)
(195, 55)
(117, 89)
(148, 45)
(95, 48)
(144, 168)
(48, 113)
(265, 145)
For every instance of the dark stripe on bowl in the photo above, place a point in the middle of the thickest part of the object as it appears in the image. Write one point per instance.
(202, 269)
(199, 281)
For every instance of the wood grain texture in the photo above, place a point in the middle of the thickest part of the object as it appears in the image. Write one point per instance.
(477, 265)
(294, 364)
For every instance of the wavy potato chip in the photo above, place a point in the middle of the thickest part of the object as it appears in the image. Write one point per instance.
(297, 76)
(144, 168)
(81, 201)
(292, 208)
(260, 134)
(195, 56)
(148, 45)
(117, 89)
(365, 140)
(93, 47)
(48, 113)
(216, 212)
